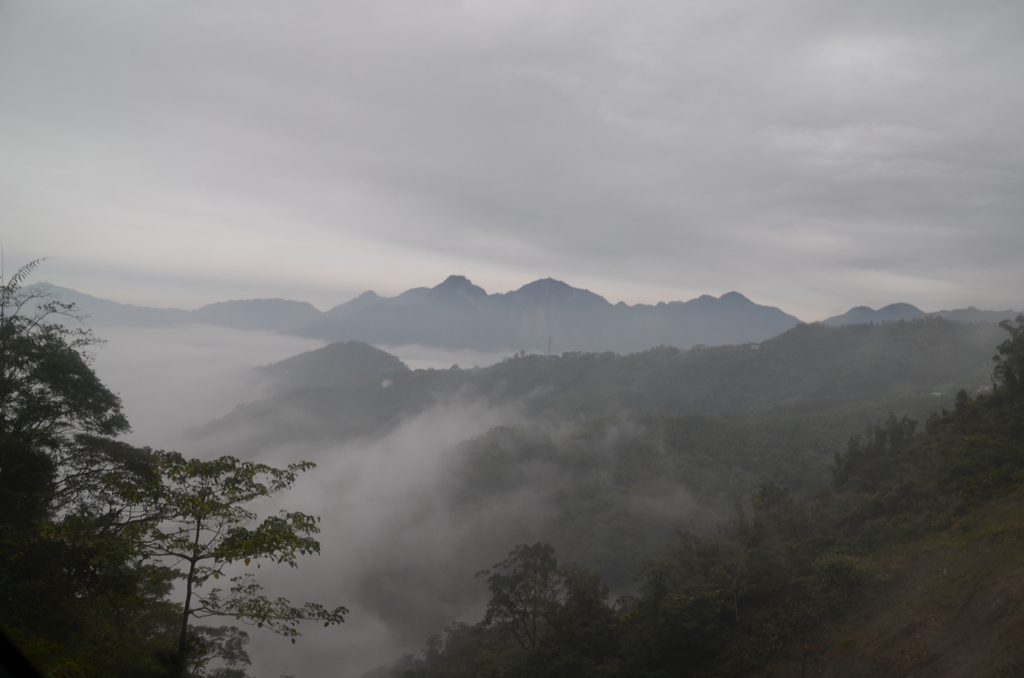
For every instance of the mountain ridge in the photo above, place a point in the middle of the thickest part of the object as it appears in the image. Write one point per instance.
(903, 311)
(544, 315)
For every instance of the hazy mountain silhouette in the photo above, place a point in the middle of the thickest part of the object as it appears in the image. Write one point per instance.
(278, 315)
(900, 311)
(103, 312)
(543, 314)
(460, 315)
(863, 314)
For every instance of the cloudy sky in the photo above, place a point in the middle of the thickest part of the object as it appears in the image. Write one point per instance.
(812, 155)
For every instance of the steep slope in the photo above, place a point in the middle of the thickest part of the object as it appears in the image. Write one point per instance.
(950, 605)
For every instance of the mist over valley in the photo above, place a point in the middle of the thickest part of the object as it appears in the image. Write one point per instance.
(427, 476)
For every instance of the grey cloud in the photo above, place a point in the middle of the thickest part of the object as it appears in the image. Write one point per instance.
(672, 146)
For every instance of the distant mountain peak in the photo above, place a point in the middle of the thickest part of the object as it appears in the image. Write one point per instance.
(903, 311)
(460, 285)
(547, 283)
(866, 314)
(547, 289)
(900, 306)
(544, 286)
(455, 280)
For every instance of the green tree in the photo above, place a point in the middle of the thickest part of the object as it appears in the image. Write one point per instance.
(82, 516)
(526, 589)
(193, 511)
(1010, 359)
(583, 637)
(56, 416)
(226, 643)
(71, 591)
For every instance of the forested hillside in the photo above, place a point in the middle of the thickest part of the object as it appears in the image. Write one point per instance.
(905, 366)
(784, 568)
(622, 450)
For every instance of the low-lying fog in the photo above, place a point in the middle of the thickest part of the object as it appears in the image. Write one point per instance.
(174, 378)
(395, 551)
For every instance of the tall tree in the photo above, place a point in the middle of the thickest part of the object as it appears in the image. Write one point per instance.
(1010, 358)
(526, 589)
(55, 413)
(70, 589)
(194, 512)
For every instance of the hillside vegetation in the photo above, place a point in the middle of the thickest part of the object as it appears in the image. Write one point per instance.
(950, 603)
(627, 449)
(904, 367)
(901, 502)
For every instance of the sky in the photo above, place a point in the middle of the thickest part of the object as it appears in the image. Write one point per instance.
(811, 154)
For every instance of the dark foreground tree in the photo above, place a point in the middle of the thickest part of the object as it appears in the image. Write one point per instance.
(55, 413)
(82, 516)
(70, 590)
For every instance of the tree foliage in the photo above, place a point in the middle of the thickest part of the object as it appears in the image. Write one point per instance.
(1009, 360)
(56, 416)
(525, 589)
(193, 512)
(90, 524)
(70, 589)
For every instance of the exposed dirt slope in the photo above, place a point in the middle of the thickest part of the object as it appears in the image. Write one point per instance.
(950, 605)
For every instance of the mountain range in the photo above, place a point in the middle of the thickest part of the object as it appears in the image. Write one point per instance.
(896, 312)
(543, 316)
